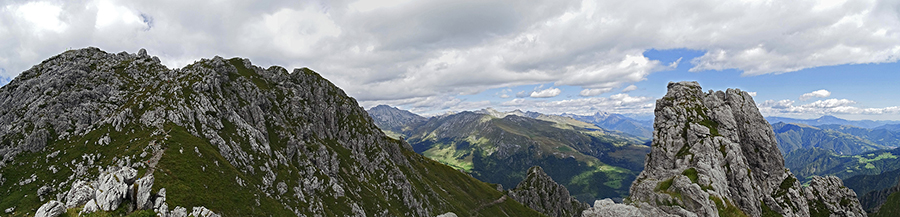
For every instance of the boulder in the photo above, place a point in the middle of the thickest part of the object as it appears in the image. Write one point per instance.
(51, 209)
(449, 214)
(203, 212)
(142, 193)
(80, 193)
(178, 212)
(90, 207)
(160, 198)
(113, 188)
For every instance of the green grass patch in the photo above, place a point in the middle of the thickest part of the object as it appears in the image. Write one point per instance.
(664, 185)
(188, 185)
(726, 208)
(691, 173)
(882, 156)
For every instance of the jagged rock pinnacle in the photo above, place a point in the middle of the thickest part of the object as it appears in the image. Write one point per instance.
(714, 154)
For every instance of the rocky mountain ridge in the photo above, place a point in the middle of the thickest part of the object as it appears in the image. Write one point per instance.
(393, 119)
(284, 143)
(713, 154)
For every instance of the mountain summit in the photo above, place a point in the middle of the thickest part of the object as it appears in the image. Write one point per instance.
(221, 133)
(713, 154)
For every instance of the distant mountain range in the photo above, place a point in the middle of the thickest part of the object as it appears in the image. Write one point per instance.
(499, 147)
(793, 136)
(392, 120)
(828, 119)
(618, 122)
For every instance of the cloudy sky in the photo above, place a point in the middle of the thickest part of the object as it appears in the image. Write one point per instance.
(801, 58)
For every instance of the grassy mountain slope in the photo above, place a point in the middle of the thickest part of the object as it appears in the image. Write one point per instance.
(890, 207)
(236, 138)
(590, 162)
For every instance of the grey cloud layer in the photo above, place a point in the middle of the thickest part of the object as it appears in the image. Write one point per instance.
(420, 52)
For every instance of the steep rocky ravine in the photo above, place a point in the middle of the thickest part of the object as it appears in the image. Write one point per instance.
(713, 154)
(233, 137)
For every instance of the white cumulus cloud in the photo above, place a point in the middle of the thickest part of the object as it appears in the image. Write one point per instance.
(546, 93)
(594, 92)
(415, 50)
(630, 88)
(815, 94)
(821, 107)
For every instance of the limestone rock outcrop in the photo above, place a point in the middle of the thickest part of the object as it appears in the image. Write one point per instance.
(115, 187)
(714, 154)
(539, 192)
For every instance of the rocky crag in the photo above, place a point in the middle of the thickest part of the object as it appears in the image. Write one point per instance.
(713, 154)
(393, 119)
(224, 134)
(539, 192)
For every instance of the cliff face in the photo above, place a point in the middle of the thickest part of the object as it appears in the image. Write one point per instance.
(240, 139)
(714, 154)
(539, 192)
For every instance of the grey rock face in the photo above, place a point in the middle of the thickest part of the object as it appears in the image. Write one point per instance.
(539, 192)
(51, 209)
(713, 152)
